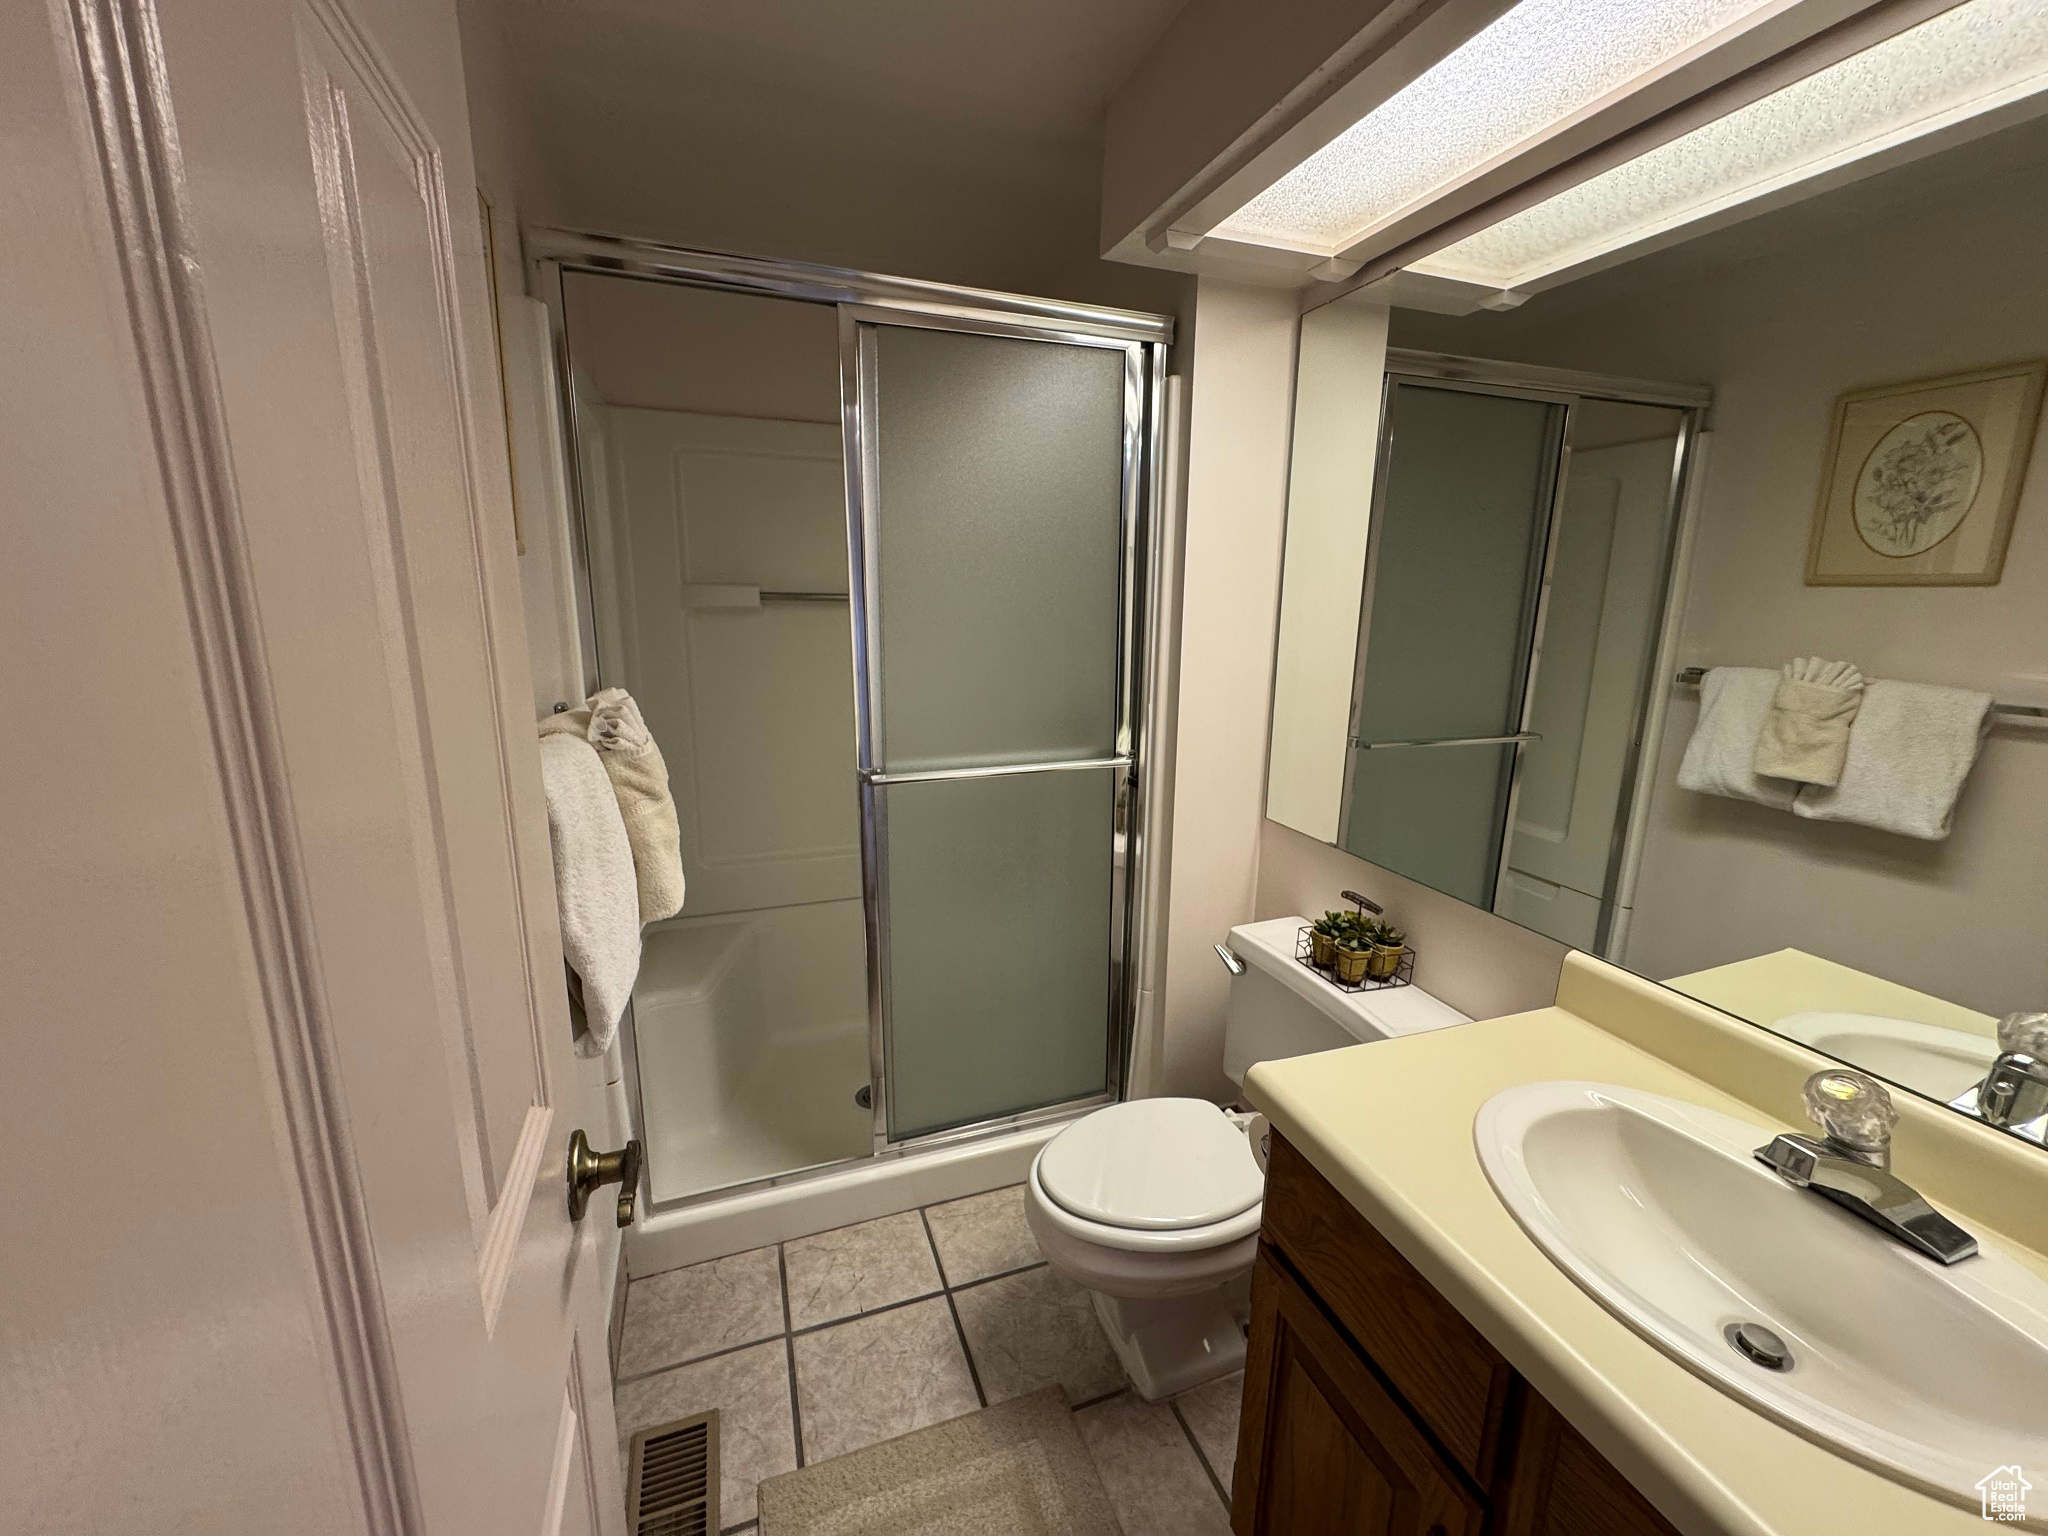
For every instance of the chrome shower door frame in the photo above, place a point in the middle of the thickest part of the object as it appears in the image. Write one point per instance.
(551, 255)
(1144, 362)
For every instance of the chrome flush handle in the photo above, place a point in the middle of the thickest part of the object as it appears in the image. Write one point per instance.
(590, 1170)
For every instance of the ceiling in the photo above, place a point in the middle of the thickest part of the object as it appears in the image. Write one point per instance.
(956, 139)
(1044, 68)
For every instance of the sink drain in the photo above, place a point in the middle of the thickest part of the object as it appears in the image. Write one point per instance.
(1758, 1345)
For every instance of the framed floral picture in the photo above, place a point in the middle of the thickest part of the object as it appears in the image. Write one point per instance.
(1923, 480)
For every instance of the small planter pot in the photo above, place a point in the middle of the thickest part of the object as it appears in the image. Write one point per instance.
(1385, 961)
(1322, 949)
(1353, 965)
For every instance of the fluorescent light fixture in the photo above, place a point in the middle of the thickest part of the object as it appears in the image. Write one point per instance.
(1892, 98)
(1532, 70)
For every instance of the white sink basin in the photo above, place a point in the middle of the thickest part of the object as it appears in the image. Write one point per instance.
(1933, 1376)
(1927, 1058)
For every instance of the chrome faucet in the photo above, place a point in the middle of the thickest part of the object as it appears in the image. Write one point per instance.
(1851, 1164)
(2014, 1093)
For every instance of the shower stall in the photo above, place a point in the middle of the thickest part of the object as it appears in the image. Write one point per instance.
(876, 558)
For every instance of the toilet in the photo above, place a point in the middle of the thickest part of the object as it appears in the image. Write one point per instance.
(1153, 1205)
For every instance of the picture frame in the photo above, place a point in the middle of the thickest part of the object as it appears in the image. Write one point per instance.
(1923, 480)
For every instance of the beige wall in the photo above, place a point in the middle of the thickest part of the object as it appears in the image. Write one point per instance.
(1238, 411)
(511, 180)
(1478, 963)
(1934, 269)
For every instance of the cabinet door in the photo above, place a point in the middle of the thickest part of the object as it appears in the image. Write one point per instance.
(1324, 1448)
(1561, 1486)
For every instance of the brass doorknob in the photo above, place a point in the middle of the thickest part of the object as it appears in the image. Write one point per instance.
(588, 1170)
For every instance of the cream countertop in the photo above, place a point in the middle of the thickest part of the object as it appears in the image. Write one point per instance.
(1768, 987)
(1389, 1124)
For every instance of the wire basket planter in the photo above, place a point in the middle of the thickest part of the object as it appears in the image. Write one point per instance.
(1403, 974)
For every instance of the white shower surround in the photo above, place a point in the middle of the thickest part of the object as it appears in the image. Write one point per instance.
(753, 1063)
(751, 1034)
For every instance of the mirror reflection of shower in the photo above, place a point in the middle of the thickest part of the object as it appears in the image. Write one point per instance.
(1519, 551)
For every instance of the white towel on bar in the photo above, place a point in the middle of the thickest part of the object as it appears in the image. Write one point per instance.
(1910, 749)
(1720, 758)
(594, 883)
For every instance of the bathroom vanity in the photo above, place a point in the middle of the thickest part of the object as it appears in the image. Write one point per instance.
(1420, 1366)
(1372, 1405)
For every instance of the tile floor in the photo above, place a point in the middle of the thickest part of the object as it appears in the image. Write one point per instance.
(819, 1346)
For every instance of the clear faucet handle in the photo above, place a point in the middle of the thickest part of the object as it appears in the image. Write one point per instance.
(1851, 1108)
(2024, 1034)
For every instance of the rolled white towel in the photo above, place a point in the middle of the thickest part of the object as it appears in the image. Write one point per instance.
(612, 723)
(616, 724)
(1721, 757)
(1910, 750)
(1805, 735)
(594, 887)
(640, 779)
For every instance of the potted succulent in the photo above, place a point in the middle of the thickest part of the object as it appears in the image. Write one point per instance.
(1323, 936)
(1389, 944)
(1354, 955)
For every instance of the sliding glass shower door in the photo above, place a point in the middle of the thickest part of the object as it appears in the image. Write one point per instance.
(993, 493)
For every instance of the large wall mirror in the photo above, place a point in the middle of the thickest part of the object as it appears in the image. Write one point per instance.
(1695, 614)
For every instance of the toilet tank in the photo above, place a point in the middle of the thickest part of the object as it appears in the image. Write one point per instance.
(1279, 1007)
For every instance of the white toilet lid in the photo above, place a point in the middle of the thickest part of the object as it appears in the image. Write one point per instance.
(1160, 1164)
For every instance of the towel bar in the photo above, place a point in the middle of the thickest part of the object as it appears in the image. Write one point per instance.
(1692, 675)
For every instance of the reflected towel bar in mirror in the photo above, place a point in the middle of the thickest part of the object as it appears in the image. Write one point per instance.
(1691, 676)
(698, 594)
(1449, 741)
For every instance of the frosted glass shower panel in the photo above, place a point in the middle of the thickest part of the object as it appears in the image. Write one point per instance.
(1453, 579)
(998, 966)
(1434, 814)
(996, 536)
(1457, 562)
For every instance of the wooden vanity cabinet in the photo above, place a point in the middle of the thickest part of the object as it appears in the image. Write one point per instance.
(1372, 1407)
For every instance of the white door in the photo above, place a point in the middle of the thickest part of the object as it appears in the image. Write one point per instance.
(287, 1065)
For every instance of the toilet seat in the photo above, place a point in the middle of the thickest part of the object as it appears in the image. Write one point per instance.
(1140, 1239)
(1152, 1165)
(1157, 1176)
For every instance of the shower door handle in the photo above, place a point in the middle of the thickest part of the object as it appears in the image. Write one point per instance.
(590, 1170)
